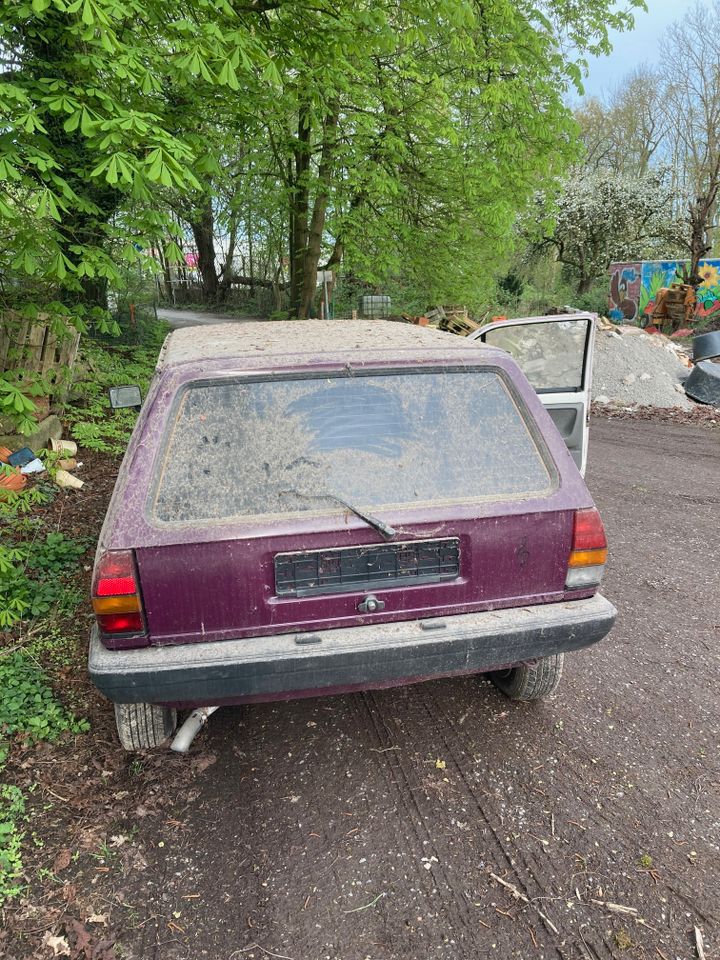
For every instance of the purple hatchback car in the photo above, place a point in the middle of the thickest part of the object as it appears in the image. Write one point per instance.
(311, 507)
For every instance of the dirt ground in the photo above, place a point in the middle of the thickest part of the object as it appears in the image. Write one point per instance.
(438, 820)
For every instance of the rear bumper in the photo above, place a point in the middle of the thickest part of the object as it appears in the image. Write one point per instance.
(292, 665)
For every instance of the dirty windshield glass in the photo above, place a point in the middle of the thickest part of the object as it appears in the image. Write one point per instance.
(550, 354)
(242, 449)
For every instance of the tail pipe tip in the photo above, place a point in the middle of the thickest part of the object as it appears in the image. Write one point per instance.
(189, 730)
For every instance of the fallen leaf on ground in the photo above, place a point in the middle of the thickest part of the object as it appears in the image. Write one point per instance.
(202, 763)
(82, 938)
(59, 945)
(440, 764)
(62, 861)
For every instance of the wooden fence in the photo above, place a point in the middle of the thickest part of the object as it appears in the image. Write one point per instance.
(32, 346)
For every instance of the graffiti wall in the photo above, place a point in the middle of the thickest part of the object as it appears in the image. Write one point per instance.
(634, 286)
(625, 283)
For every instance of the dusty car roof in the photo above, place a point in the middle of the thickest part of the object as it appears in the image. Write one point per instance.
(284, 341)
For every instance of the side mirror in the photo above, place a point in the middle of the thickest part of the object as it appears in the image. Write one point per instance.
(122, 397)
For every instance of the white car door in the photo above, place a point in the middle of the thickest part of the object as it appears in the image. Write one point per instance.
(555, 354)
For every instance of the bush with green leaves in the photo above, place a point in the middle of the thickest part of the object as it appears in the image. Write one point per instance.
(28, 706)
(35, 578)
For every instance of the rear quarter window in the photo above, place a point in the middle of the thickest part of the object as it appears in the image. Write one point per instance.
(241, 449)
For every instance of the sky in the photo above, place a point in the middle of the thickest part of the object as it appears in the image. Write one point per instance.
(639, 45)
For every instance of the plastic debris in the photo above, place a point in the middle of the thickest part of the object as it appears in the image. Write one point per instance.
(35, 466)
(67, 480)
(21, 457)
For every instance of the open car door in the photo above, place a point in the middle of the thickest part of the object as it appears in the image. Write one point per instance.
(555, 354)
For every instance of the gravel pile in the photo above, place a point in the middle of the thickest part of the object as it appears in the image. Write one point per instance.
(632, 368)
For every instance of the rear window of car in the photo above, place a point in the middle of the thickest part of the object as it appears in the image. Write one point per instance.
(242, 449)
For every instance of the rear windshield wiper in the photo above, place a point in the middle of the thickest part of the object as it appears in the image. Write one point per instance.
(383, 528)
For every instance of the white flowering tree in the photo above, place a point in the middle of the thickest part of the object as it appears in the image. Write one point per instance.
(600, 217)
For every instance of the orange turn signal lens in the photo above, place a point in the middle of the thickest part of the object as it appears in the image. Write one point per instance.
(127, 604)
(588, 558)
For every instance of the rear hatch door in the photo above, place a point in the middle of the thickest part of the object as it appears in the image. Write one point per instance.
(254, 503)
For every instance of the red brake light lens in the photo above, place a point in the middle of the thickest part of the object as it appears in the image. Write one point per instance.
(121, 623)
(588, 533)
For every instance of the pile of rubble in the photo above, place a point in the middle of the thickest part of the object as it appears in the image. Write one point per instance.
(635, 368)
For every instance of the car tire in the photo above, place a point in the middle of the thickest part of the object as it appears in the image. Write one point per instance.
(534, 682)
(143, 726)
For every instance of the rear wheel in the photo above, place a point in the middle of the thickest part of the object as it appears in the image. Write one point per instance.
(142, 726)
(530, 682)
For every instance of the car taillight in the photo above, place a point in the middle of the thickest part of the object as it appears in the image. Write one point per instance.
(588, 553)
(115, 595)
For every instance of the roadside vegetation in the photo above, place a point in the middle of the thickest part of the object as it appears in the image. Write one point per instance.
(45, 558)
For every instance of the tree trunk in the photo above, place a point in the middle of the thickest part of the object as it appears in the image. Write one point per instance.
(336, 256)
(202, 228)
(299, 207)
(584, 285)
(700, 220)
(167, 277)
(317, 225)
(227, 270)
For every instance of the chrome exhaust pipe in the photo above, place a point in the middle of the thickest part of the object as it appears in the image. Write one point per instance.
(190, 729)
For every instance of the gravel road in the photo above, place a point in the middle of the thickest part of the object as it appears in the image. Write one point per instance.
(194, 318)
(374, 825)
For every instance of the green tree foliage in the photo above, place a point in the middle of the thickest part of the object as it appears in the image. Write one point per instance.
(401, 139)
(87, 133)
(398, 136)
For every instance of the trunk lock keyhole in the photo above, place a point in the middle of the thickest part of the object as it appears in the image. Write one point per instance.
(371, 605)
